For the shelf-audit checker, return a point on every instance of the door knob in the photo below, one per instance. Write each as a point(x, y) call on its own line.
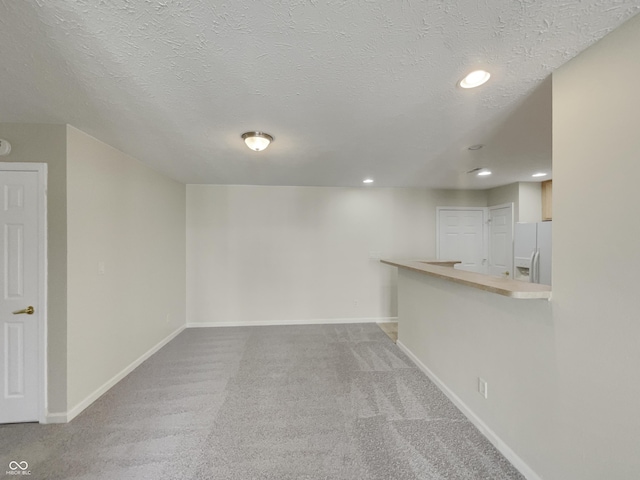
point(29, 311)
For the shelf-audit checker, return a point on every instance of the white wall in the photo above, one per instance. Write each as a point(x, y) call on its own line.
point(596, 205)
point(45, 143)
point(130, 217)
point(272, 254)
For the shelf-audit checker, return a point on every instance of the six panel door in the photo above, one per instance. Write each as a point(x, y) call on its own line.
point(19, 289)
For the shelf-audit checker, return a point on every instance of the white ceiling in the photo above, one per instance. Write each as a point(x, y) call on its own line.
point(348, 88)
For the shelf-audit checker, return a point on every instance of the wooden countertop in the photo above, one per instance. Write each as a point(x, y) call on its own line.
point(500, 285)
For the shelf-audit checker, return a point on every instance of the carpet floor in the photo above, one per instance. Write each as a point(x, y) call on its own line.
point(292, 402)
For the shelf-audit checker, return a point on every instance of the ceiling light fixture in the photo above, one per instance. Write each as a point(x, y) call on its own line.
point(484, 173)
point(475, 147)
point(367, 180)
point(539, 174)
point(475, 79)
point(257, 141)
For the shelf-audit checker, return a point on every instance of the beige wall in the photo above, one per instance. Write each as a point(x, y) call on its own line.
point(126, 215)
point(273, 254)
point(596, 258)
point(44, 143)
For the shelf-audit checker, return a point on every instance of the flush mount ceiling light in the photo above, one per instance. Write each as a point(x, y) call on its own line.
point(475, 147)
point(475, 79)
point(257, 141)
point(5, 147)
point(367, 180)
point(480, 171)
point(539, 174)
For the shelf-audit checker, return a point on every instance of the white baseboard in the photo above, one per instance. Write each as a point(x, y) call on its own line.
point(56, 417)
point(75, 411)
point(497, 442)
point(314, 321)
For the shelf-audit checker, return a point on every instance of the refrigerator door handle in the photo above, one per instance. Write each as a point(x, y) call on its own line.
point(532, 266)
point(536, 268)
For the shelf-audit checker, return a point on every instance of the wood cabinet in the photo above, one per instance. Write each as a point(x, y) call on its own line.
point(547, 200)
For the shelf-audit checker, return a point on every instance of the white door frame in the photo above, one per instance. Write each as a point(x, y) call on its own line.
point(496, 207)
point(485, 230)
point(41, 169)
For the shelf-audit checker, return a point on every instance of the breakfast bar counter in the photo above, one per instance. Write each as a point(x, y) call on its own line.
point(481, 339)
point(498, 285)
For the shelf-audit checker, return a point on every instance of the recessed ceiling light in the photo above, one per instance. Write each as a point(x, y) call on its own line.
point(367, 180)
point(484, 173)
point(475, 79)
point(539, 174)
point(257, 141)
point(476, 147)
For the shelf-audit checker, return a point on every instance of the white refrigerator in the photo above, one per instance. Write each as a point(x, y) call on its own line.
point(532, 252)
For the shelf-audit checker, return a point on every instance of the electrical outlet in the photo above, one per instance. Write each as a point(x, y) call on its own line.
point(355, 303)
point(168, 318)
point(483, 387)
point(101, 268)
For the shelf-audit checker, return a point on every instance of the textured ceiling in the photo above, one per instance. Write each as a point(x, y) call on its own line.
point(348, 88)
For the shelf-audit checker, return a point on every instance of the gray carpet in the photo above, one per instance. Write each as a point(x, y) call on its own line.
point(294, 402)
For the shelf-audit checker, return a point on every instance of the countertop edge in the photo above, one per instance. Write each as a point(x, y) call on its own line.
point(500, 286)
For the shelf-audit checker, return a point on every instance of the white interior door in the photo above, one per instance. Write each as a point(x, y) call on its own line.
point(19, 286)
point(501, 240)
point(461, 237)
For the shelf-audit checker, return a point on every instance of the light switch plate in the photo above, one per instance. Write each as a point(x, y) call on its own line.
point(483, 387)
